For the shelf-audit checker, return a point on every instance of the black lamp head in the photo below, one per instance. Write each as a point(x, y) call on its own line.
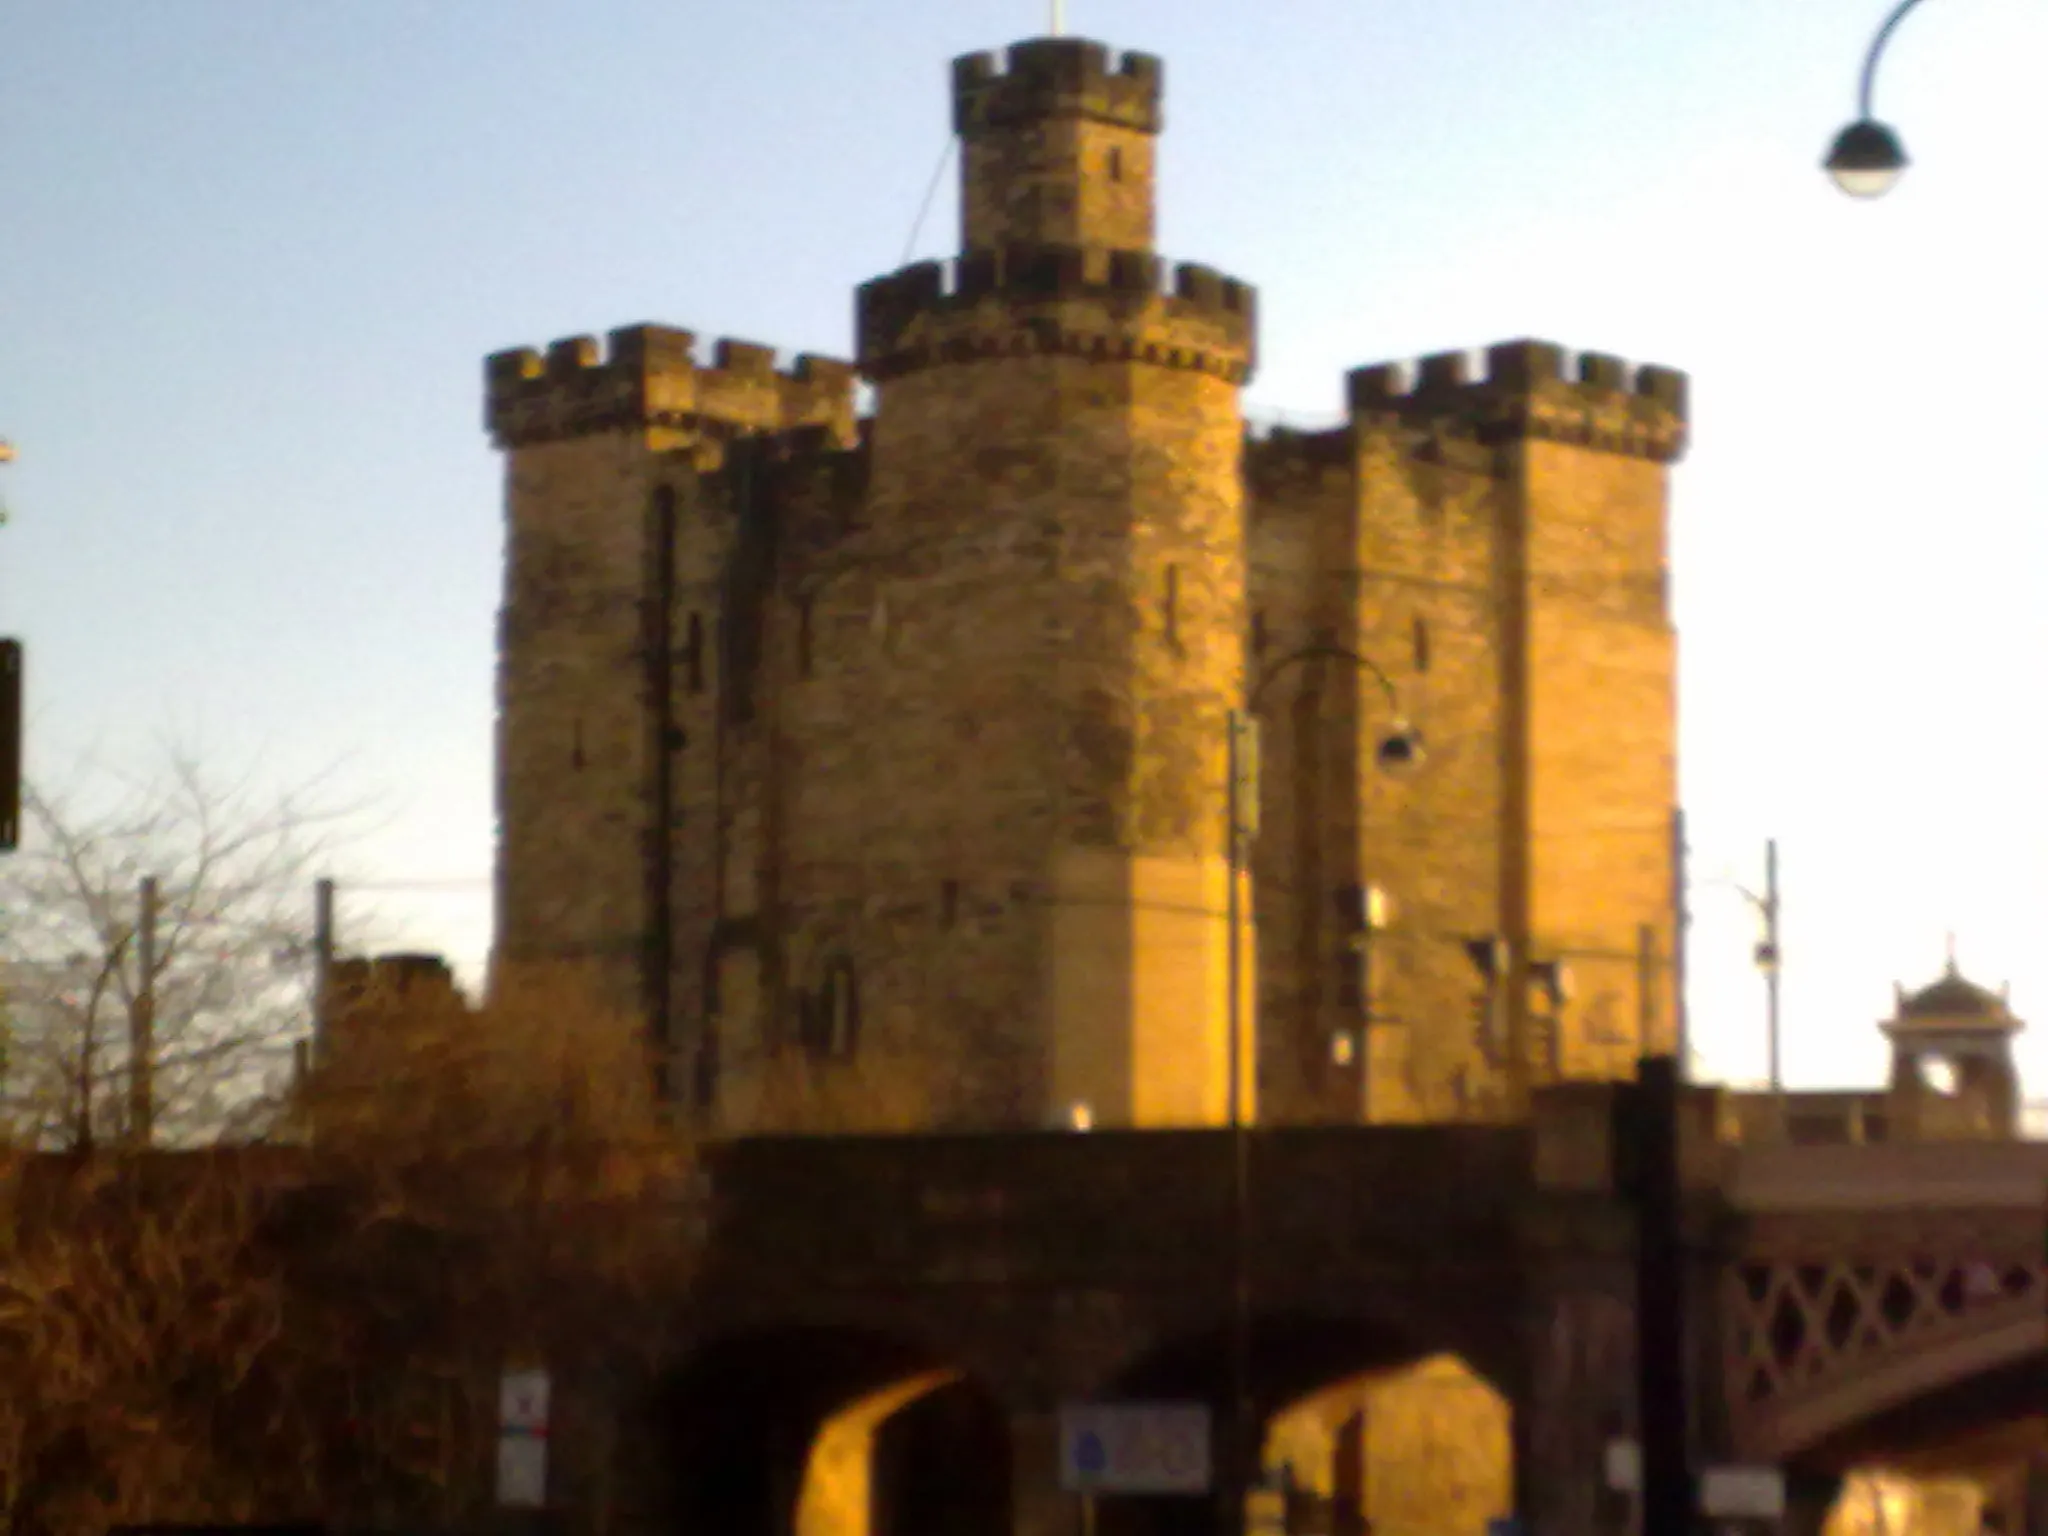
point(1866, 159)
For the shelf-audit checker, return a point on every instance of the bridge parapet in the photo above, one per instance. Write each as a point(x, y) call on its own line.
point(1581, 1141)
point(1913, 1176)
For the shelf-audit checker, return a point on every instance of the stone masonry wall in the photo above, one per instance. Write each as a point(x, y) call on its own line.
point(571, 752)
point(1359, 543)
point(1428, 604)
point(1048, 579)
point(1382, 542)
point(607, 775)
point(1603, 770)
point(1495, 545)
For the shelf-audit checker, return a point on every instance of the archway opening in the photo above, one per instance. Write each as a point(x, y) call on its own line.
point(1879, 1501)
point(826, 1432)
point(1358, 1426)
point(1411, 1451)
point(942, 1465)
point(837, 1496)
point(1966, 1456)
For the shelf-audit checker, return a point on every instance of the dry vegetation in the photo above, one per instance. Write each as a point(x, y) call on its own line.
point(316, 1327)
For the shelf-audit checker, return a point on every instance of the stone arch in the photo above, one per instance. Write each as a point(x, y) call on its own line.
point(1313, 1376)
point(1292, 1350)
point(829, 1430)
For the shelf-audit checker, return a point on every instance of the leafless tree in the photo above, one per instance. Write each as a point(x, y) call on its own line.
point(228, 979)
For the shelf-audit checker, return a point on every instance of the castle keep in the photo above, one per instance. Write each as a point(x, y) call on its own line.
point(896, 743)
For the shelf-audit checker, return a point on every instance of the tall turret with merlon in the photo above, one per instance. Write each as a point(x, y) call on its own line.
point(1489, 529)
point(1586, 703)
point(1057, 421)
point(1057, 146)
point(614, 578)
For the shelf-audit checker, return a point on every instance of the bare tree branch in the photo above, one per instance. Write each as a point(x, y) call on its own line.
point(234, 872)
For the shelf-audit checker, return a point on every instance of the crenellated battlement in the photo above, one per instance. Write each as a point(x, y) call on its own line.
point(1056, 77)
point(1534, 389)
point(649, 376)
point(1280, 458)
point(1123, 305)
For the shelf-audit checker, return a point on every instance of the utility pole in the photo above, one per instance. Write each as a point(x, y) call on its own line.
point(1400, 750)
point(10, 745)
point(142, 1021)
point(1243, 811)
point(1662, 1393)
point(323, 964)
point(1767, 962)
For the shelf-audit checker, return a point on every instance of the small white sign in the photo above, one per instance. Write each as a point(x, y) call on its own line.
point(1624, 1466)
point(1743, 1493)
point(523, 1401)
point(522, 1471)
point(1156, 1448)
point(1727, 1493)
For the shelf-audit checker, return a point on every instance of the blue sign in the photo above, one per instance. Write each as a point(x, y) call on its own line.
point(1090, 1454)
point(1135, 1448)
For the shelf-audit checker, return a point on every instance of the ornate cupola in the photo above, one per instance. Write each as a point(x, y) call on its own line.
point(1953, 1075)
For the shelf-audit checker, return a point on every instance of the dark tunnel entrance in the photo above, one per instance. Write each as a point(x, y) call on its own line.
point(817, 1432)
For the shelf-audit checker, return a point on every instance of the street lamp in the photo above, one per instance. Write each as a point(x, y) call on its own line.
point(1767, 954)
point(1866, 158)
point(1399, 750)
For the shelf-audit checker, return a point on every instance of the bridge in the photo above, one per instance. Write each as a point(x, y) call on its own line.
point(875, 1305)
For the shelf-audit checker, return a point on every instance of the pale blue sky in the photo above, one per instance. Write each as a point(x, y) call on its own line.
point(251, 256)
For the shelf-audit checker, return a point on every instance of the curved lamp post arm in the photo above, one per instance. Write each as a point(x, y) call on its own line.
point(1317, 652)
point(1722, 882)
point(1877, 44)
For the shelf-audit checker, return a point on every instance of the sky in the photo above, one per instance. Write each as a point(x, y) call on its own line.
point(252, 256)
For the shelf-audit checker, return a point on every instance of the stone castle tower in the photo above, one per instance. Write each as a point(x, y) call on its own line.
point(895, 745)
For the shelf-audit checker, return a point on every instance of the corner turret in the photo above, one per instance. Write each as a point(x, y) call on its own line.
point(649, 380)
point(1953, 1075)
point(1057, 146)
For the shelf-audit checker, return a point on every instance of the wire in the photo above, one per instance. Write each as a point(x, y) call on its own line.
point(930, 194)
point(469, 884)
